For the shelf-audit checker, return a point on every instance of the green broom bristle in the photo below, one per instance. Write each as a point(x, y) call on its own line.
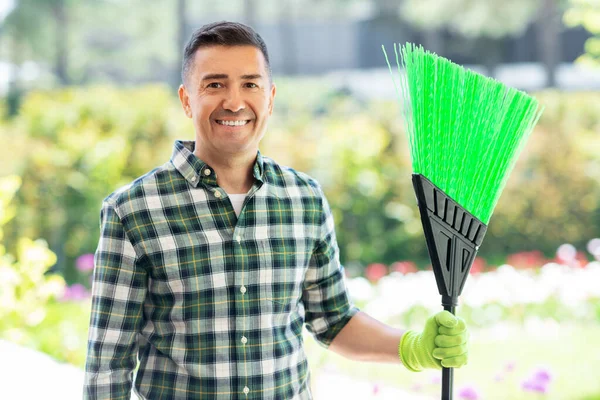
point(465, 130)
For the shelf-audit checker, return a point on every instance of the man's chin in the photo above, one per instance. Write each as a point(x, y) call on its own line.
point(233, 147)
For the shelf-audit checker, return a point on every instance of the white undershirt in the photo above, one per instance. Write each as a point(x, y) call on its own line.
point(236, 201)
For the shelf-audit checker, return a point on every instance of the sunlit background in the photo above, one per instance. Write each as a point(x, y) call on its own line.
point(88, 103)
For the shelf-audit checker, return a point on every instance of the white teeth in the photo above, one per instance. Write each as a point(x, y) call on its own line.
point(232, 123)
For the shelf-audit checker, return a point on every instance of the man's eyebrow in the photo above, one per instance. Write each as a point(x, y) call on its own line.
point(215, 76)
point(225, 76)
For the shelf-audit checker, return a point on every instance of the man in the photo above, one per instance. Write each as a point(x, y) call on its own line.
point(209, 266)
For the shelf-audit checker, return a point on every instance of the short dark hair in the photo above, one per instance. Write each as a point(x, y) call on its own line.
point(221, 33)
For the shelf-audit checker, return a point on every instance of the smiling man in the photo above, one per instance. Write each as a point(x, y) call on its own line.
point(209, 266)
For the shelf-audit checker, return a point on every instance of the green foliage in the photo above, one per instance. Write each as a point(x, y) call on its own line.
point(553, 195)
point(30, 314)
point(472, 19)
point(143, 49)
point(358, 152)
point(465, 130)
point(586, 13)
point(77, 146)
point(29, 26)
point(591, 397)
point(99, 47)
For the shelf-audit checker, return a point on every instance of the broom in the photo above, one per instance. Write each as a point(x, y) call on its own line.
point(465, 132)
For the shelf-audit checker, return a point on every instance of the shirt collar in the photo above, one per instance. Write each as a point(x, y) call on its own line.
point(195, 170)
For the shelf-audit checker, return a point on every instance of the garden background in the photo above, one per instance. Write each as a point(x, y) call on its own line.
point(84, 114)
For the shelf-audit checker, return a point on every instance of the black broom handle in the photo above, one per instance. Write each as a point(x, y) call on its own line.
point(447, 373)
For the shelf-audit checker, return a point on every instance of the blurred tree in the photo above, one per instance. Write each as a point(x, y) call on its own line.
point(78, 145)
point(94, 41)
point(548, 27)
point(37, 27)
point(552, 197)
point(21, 33)
point(587, 14)
point(31, 313)
point(81, 145)
point(386, 7)
point(126, 42)
point(288, 37)
point(250, 11)
point(182, 38)
point(60, 12)
point(361, 175)
point(487, 22)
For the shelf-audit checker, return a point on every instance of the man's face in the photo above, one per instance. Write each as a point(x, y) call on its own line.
point(229, 98)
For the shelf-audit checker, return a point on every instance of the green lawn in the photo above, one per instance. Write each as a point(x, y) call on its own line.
point(570, 352)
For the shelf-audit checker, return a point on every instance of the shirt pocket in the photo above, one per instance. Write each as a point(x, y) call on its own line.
point(281, 274)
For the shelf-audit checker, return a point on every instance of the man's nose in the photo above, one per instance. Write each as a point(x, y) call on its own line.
point(233, 100)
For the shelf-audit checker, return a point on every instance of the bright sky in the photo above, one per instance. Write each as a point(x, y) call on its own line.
point(6, 7)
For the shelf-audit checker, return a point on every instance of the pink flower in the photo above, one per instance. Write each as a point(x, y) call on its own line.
point(404, 267)
point(417, 387)
point(593, 247)
point(478, 266)
point(542, 375)
point(85, 263)
point(468, 393)
point(510, 366)
point(375, 389)
point(534, 386)
point(581, 260)
point(375, 272)
point(75, 292)
point(566, 253)
point(538, 381)
point(526, 259)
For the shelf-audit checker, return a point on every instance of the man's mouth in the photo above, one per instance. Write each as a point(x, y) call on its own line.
point(238, 122)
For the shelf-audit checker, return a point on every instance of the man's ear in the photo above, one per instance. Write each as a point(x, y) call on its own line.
point(272, 98)
point(185, 101)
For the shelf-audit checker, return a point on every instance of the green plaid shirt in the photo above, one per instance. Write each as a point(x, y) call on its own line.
point(212, 305)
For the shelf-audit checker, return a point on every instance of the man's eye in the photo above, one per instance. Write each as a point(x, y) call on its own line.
point(214, 85)
point(251, 85)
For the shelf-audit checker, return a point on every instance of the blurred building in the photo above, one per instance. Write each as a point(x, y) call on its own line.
point(304, 46)
point(134, 42)
point(540, 57)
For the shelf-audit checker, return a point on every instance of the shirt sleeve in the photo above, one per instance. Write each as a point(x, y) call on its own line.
point(325, 297)
point(118, 291)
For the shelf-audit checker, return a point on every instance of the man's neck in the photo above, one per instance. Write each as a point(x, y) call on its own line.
point(234, 173)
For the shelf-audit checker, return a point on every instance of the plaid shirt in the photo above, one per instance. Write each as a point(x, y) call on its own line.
point(212, 305)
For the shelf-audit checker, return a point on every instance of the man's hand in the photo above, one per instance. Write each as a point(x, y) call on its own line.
point(443, 343)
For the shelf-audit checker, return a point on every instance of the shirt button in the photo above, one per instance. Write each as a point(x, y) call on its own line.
point(217, 194)
point(207, 172)
point(238, 238)
point(246, 390)
point(243, 289)
point(244, 340)
point(193, 179)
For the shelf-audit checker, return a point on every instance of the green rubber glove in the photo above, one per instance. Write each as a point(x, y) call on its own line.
point(443, 343)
